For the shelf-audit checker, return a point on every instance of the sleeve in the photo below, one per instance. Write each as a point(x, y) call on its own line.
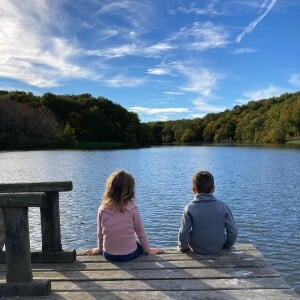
point(99, 231)
point(231, 229)
point(184, 231)
point(140, 230)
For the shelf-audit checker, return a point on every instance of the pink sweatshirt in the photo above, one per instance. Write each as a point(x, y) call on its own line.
point(118, 231)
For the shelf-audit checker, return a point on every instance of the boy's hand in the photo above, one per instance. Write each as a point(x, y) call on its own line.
point(154, 251)
point(182, 249)
point(93, 251)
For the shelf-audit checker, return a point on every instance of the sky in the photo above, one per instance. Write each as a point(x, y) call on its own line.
point(163, 59)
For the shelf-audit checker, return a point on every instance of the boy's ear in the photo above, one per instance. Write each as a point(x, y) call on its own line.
point(212, 189)
point(194, 190)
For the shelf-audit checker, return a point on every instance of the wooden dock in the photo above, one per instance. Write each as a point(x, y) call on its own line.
point(239, 273)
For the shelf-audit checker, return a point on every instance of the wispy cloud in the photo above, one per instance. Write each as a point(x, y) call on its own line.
point(158, 71)
point(209, 9)
point(196, 79)
point(133, 14)
point(124, 81)
point(131, 50)
point(201, 36)
point(119, 7)
point(154, 111)
point(266, 7)
point(295, 79)
point(26, 55)
point(244, 50)
point(204, 107)
point(265, 93)
point(174, 93)
point(200, 80)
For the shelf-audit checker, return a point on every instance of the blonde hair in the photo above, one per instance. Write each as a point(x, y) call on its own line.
point(119, 190)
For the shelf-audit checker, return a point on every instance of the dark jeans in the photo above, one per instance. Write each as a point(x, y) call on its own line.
point(139, 251)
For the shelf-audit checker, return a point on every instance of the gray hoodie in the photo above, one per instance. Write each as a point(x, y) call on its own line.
point(207, 225)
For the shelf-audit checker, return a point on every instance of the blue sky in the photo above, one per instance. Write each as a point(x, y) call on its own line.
point(164, 59)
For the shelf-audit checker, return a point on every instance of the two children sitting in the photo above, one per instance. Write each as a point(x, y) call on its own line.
point(207, 224)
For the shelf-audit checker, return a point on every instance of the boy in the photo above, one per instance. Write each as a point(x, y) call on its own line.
point(207, 224)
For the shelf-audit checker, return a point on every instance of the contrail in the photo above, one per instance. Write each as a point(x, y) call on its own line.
point(253, 24)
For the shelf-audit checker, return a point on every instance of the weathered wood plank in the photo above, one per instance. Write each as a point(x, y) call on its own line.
point(238, 255)
point(161, 264)
point(171, 285)
point(22, 199)
point(255, 294)
point(159, 274)
point(58, 186)
point(235, 274)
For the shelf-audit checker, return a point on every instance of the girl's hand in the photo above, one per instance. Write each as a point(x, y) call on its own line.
point(93, 251)
point(154, 251)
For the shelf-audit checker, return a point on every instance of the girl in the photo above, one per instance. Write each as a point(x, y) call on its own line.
point(120, 222)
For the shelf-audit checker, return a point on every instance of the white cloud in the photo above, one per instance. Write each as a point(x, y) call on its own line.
point(208, 108)
point(198, 115)
point(195, 78)
point(26, 55)
point(209, 9)
point(124, 81)
point(253, 24)
point(244, 50)
point(199, 80)
point(130, 50)
point(174, 93)
point(265, 93)
point(124, 50)
point(159, 47)
point(201, 36)
point(116, 7)
point(154, 111)
point(295, 79)
point(158, 71)
point(134, 14)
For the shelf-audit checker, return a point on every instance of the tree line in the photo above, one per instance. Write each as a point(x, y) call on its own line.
point(66, 121)
point(275, 120)
point(50, 121)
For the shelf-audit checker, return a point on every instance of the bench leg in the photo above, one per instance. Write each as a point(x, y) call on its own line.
point(18, 259)
point(17, 245)
point(50, 222)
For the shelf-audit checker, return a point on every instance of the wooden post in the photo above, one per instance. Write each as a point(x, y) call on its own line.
point(19, 280)
point(17, 245)
point(50, 223)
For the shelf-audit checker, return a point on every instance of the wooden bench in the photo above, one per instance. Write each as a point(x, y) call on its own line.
point(50, 219)
point(19, 279)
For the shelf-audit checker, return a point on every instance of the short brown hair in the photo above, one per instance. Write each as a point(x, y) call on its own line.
point(203, 182)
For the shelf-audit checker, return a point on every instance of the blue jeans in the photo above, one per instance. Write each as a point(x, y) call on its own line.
point(139, 251)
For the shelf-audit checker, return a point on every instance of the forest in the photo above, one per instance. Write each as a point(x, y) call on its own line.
point(67, 121)
point(275, 120)
point(81, 121)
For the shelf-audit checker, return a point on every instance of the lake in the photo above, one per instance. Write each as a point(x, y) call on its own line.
point(261, 185)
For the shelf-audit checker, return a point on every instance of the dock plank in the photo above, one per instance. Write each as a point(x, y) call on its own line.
point(240, 273)
point(258, 294)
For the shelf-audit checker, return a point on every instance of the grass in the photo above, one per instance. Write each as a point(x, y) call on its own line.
point(294, 141)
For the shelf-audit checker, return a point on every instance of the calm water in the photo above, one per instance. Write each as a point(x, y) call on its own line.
point(261, 186)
